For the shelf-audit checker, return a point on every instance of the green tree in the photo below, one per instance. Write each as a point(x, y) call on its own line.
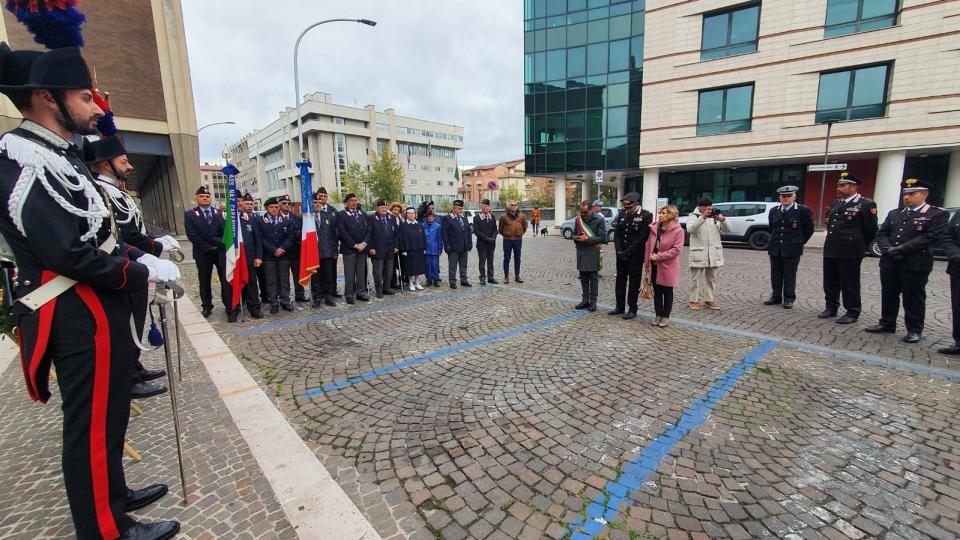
point(386, 176)
point(511, 193)
point(357, 181)
point(541, 193)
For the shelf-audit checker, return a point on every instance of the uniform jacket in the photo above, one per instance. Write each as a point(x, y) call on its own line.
point(789, 231)
point(512, 227)
point(456, 234)
point(485, 230)
point(434, 237)
point(630, 233)
point(851, 227)
point(412, 237)
point(384, 235)
point(327, 240)
point(251, 236)
point(205, 237)
point(277, 233)
point(352, 229)
point(127, 215)
point(50, 245)
point(589, 250)
point(668, 253)
point(706, 251)
point(294, 252)
point(915, 232)
point(951, 245)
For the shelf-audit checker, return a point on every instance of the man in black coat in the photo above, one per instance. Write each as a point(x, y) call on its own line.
point(323, 283)
point(276, 239)
point(83, 326)
point(384, 237)
point(851, 227)
point(485, 229)
point(791, 225)
point(353, 231)
point(631, 229)
point(204, 227)
point(286, 212)
point(254, 254)
point(951, 246)
point(457, 242)
point(905, 240)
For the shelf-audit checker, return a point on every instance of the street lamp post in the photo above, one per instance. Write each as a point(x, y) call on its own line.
point(823, 174)
point(215, 124)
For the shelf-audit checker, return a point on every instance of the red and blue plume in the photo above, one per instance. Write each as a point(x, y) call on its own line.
point(53, 23)
point(105, 124)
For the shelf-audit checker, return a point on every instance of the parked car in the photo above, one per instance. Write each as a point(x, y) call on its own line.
point(748, 222)
point(567, 227)
point(874, 250)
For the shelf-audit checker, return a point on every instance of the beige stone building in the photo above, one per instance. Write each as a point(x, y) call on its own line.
point(148, 79)
point(336, 135)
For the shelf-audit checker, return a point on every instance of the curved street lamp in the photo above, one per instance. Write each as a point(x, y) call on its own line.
point(215, 124)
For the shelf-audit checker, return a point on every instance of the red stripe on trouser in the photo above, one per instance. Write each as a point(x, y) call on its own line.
point(98, 414)
point(40, 345)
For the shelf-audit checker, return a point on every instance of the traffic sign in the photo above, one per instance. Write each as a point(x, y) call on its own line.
point(827, 167)
point(599, 177)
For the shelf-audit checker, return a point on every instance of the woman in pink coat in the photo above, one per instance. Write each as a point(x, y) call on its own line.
point(662, 261)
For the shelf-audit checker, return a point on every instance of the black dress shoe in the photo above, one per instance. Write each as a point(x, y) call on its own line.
point(953, 349)
point(161, 530)
point(879, 329)
point(337, 295)
point(363, 298)
point(206, 312)
point(848, 318)
point(301, 299)
point(771, 301)
point(379, 295)
point(582, 305)
point(256, 314)
point(466, 284)
point(233, 316)
point(826, 314)
point(143, 390)
point(151, 374)
point(483, 281)
point(286, 307)
point(330, 302)
point(788, 305)
point(592, 308)
point(316, 305)
point(492, 281)
point(138, 498)
point(350, 300)
point(912, 337)
point(389, 292)
point(629, 315)
point(453, 285)
point(618, 311)
point(274, 309)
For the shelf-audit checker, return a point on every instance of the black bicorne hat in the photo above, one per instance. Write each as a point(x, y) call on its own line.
point(104, 149)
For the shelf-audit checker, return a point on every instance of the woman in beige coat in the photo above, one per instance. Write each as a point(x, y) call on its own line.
point(706, 253)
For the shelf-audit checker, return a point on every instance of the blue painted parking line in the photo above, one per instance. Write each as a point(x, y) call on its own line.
point(349, 312)
point(604, 507)
point(343, 383)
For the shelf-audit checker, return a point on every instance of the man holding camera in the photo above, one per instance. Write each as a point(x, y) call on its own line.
point(705, 226)
point(631, 229)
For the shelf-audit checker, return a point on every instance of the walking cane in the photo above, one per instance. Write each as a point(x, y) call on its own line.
point(161, 300)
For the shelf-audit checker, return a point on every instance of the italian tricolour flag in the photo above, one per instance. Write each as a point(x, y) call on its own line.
point(237, 272)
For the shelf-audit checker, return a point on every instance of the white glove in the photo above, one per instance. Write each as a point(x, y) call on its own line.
point(168, 242)
point(159, 270)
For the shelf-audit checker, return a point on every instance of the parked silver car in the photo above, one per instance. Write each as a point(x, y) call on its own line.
point(567, 227)
point(748, 222)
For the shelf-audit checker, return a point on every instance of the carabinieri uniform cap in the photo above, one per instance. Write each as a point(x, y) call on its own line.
point(788, 190)
point(911, 185)
point(847, 178)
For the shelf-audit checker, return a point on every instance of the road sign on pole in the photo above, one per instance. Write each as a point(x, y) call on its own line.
point(827, 167)
point(599, 177)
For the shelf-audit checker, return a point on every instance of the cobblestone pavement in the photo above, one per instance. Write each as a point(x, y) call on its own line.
point(499, 412)
point(229, 496)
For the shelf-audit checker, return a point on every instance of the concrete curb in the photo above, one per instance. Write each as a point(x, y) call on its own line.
point(8, 352)
point(311, 499)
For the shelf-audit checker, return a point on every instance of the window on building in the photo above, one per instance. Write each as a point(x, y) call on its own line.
point(730, 32)
point(413, 181)
point(725, 110)
point(411, 166)
point(274, 155)
point(339, 121)
point(383, 127)
point(425, 167)
point(853, 94)
point(852, 16)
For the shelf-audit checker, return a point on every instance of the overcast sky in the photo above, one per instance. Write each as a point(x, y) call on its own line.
point(452, 61)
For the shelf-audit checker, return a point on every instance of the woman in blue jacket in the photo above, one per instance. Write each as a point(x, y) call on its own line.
point(431, 230)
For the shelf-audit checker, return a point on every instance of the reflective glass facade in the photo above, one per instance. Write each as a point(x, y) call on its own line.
point(583, 70)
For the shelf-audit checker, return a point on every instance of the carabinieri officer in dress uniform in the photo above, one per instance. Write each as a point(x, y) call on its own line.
point(75, 283)
point(905, 239)
point(791, 225)
point(851, 227)
point(204, 227)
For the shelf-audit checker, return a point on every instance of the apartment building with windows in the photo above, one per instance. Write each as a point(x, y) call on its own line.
point(336, 135)
point(738, 98)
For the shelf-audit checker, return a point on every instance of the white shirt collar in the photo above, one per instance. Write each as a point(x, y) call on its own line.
point(788, 208)
point(917, 209)
point(109, 180)
point(45, 134)
point(853, 198)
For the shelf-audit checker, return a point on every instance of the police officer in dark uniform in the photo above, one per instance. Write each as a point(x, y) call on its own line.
point(631, 229)
point(252, 250)
point(286, 212)
point(851, 226)
point(276, 239)
point(951, 246)
point(791, 225)
point(82, 326)
point(323, 283)
point(905, 239)
point(204, 226)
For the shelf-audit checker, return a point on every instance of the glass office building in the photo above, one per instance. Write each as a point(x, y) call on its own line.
point(583, 71)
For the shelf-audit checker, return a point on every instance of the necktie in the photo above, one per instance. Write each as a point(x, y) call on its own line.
point(356, 216)
point(206, 213)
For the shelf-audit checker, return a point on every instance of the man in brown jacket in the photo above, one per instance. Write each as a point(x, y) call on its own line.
point(512, 227)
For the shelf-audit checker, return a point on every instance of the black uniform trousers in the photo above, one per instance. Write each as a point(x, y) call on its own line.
point(589, 287)
point(912, 285)
point(842, 276)
point(783, 277)
point(205, 265)
point(354, 275)
point(955, 305)
point(485, 254)
point(262, 284)
point(629, 274)
point(298, 289)
point(95, 394)
point(277, 271)
point(382, 273)
point(455, 260)
point(141, 303)
point(323, 283)
point(251, 292)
